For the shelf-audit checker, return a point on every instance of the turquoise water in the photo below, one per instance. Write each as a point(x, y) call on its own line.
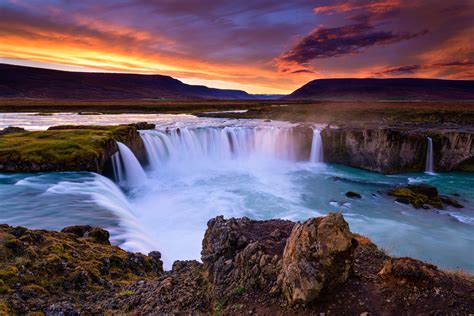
point(171, 214)
point(196, 176)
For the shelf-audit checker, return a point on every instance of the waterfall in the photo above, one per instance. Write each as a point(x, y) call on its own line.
point(118, 169)
point(316, 147)
point(192, 145)
point(429, 157)
point(126, 167)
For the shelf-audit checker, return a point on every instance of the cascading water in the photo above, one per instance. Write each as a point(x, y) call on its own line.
point(127, 168)
point(217, 144)
point(429, 157)
point(117, 166)
point(316, 147)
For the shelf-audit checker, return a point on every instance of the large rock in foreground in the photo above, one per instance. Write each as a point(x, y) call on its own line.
point(319, 255)
point(249, 267)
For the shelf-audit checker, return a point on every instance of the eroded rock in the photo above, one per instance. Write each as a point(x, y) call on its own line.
point(241, 254)
point(318, 256)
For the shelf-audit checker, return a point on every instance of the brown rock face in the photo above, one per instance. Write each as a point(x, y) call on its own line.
point(318, 256)
point(242, 254)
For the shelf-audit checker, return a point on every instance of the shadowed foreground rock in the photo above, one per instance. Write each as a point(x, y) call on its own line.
point(271, 267)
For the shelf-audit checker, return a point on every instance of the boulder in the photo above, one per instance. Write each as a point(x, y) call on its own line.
point(319, 255)
point(419, 196)
point(425, 189)
point(99, 235)
point(407, 269)
point(242, 254)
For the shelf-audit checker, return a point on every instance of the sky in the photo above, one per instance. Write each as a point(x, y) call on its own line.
point(261, 46)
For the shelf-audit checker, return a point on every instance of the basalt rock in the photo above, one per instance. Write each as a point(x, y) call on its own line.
point(98, 234)
point(381, 150)
point(407, 269)
point(423, 196)
point(243, 254)
point(398, 149)
point(353, 195)
point(249, 267)
point(318, 257)
point(66, 271)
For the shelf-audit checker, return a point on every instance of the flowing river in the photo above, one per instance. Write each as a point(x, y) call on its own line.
point(200, 168)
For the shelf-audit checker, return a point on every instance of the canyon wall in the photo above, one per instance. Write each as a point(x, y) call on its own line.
point(393, 150)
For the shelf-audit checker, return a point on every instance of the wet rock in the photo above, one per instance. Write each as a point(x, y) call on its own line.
point(417, 196)
point(423, 196)
point(353, 195)
point(451, 201)
point(318, 256)
point(424, 189)
point(402, 200)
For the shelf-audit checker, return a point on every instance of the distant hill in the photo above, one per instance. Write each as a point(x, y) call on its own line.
point(385, 89)
point(38, 83)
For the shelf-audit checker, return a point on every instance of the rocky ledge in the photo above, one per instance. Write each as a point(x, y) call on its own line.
point(398, 149)
point(262, 267)
point(67, 147)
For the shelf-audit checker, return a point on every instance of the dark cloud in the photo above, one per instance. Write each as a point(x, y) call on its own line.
point(301, 71)
point(412, 69)
point(334, 42)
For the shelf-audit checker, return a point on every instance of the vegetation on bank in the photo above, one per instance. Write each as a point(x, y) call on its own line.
point(62, 148)
point(38, 264)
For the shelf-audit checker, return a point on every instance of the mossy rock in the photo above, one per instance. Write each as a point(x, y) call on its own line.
point(64, 263)
point(64, 148)
point(422, 195)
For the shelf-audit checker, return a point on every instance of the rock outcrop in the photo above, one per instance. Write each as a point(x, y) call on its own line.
point(243, 254)
point(249, 267)
point(52, 271)
point(68, 147)
point(318, 257)
point(395, 150)
point(423, 196)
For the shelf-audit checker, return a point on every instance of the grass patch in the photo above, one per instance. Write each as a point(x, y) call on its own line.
point(65, 148)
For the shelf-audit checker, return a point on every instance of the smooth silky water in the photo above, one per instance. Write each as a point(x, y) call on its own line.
point(200, 168)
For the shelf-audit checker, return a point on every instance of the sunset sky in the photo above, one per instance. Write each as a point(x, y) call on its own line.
point(261, 46)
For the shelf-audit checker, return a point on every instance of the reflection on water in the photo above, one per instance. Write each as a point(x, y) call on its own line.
point(170, 209)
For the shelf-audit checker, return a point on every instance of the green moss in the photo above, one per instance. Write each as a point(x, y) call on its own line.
point(62, 147)
point(239, 291)
point(417, 200)
point(58, 146)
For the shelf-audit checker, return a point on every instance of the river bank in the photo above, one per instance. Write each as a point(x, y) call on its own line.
point(247, 267)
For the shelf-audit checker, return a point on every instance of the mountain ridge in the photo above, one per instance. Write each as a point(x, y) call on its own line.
point(39, 83)
point(372, 89)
